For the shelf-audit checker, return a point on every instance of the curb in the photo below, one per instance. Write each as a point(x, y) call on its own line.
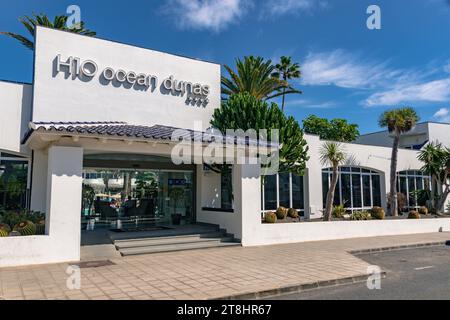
point(407, 246)
point(296, 288)
point(327, 283)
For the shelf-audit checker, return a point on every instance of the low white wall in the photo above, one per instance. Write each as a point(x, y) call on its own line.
point(266, 234)
point(62, 240)
point(17, 251)
point(226, 220)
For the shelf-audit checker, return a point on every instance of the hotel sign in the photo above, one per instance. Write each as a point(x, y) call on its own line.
point(86, 70)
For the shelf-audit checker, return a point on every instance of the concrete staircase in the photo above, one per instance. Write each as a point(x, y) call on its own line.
point(158, 244)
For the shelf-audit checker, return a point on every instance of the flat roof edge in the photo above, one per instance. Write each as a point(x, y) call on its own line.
point(131, 45)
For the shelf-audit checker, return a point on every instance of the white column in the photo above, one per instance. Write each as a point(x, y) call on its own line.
point(64, 186)
point(39, 181)
point(247, 199)
point(313, 179)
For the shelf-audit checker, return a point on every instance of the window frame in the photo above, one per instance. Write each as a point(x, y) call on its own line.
point(25, 160)
point(291, 194)
point(353, 170)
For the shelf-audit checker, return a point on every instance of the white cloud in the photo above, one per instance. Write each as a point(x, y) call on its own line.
point(308, 104)
point(447, 67)
point(430, 91)
point(389, 86)
point(346, 70)
point(277, 8)
point(442, 115)
point(283, 7)
point(213, 15)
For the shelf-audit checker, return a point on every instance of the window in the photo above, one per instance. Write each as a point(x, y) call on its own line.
point(283, 189)
point(411, 183)
point(13, 181)
point(357, 188)
point(270, 201)
point(226, 189)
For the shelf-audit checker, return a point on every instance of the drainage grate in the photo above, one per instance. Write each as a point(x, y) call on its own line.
point(95, 264)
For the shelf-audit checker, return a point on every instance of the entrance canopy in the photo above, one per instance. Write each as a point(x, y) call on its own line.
point(40, 133)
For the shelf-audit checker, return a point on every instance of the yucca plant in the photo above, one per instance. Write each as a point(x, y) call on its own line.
point(59, 22)
point(332, 153)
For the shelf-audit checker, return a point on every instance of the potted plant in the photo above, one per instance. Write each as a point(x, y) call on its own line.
point(176, 194)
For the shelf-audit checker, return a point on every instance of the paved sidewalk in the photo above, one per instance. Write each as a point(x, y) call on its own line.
point(204, 274)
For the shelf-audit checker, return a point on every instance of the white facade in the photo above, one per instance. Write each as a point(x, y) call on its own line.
point(421, 134)
point(77, 91)
point(62, 96)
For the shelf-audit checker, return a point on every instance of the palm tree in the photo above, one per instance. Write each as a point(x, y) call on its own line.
point(286, 70)
point(59, 22)
point(254, 75)
point(331, 153)
point(398, 121)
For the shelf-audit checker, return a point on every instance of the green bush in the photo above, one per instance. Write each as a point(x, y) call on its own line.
point(423, 210)
point(281, 213)
point(361, 215)
point(25, 228)
point(4, 230)
point(413, 214)
point(377, 213)
point(293, 213)
point(338, 211)
point(270, 217)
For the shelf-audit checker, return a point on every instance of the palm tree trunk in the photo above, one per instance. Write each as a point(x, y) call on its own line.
point(282, 102)
point(393, 179)
point(330, 195)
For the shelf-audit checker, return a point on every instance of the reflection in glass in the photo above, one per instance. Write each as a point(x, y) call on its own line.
point(284, 189)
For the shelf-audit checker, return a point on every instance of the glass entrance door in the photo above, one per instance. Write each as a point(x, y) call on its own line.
point(137, 197)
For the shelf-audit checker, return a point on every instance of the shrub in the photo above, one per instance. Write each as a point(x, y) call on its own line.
point(292, 213)
point(25, 228)
point(4, 230)
point(281, 213)
point(338, 211)
point(270, 217)
point(423, 210)
point(377, 213)
point(361, 215)
point(413, 214)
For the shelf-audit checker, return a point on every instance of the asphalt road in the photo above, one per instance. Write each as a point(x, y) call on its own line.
point(411, 274)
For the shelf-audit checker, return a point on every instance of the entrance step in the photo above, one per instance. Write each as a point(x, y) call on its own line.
point(150, 245)
point(176, 247)
point(145, 242)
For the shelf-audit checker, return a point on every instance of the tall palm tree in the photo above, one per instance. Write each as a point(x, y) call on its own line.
point(332, 154)
point(286, 70)
point(59, 22)
point(398, 121)
point(254, 75)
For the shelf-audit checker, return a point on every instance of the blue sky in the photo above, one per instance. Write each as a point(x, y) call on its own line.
point(348, 70)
